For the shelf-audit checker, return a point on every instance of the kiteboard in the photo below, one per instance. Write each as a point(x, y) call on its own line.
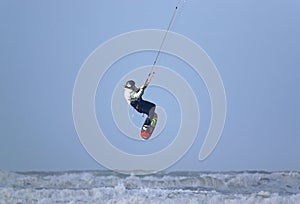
point(146, 133)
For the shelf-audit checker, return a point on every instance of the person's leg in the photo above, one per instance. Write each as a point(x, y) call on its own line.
point(149, 109)
point(151, 112)
point(145, 107)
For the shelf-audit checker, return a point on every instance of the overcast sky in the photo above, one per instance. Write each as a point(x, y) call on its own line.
point(254, 45)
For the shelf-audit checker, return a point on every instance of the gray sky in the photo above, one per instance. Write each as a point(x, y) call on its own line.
point(254, 44)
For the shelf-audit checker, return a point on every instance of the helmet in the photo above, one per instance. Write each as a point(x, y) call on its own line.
point(129, 84)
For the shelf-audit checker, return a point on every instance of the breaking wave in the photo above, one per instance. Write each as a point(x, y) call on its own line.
point(173, 187)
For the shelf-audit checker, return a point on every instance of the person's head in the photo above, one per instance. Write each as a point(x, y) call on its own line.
point(130, 84)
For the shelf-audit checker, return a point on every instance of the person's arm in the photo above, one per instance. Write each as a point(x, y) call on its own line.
point(137, 95)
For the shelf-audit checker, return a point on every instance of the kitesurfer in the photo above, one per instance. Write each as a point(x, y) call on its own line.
point(133, 96)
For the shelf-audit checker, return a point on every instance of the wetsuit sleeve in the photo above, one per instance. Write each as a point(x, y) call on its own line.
point(136, 95)
point(131, 95)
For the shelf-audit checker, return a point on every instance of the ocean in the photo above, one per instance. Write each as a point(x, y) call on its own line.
point(99, 187)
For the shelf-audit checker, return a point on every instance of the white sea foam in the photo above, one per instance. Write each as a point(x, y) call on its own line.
point(175, 187)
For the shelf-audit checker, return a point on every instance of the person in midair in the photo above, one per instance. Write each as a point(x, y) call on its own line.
point(133, 96)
